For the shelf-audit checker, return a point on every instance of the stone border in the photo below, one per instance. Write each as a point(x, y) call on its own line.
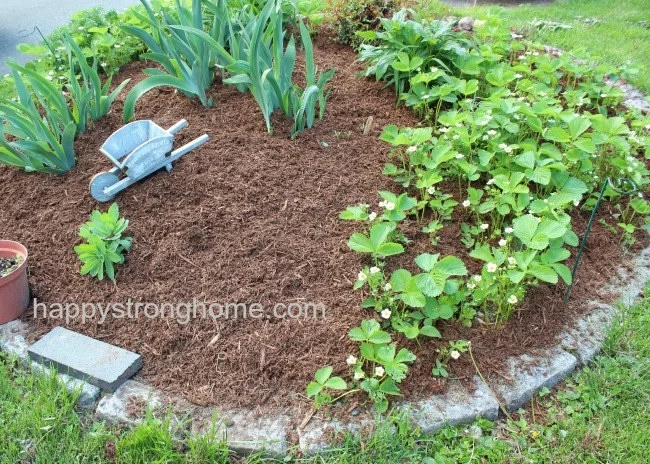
point(246, 431)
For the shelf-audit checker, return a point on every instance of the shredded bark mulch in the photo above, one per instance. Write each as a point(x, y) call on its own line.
point(253, 218)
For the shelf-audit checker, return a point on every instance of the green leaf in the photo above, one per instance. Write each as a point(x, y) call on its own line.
point(427, 261)
point(313, 389)
point(430, 331)
point(451, 266)
point(361, 243)
point(323, 374)
point(557, 134)
point(148, 84)
point(543, 273)
point(336, 383)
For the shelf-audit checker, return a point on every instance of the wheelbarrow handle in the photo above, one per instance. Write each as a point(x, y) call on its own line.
point(188, 147)
point(178, 126)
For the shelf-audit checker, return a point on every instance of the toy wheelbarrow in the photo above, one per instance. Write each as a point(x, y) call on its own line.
point(136, 150)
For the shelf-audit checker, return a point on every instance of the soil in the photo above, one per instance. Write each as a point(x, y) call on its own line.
point(8, 265)
point(253, 218)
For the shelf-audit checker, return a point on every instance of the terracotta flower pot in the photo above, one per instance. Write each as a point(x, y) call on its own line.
point(14, 289)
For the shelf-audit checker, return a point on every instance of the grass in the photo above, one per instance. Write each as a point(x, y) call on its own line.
point(602, 414)
point(619, 37)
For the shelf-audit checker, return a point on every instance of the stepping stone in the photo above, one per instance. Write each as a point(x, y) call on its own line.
point(84, 358)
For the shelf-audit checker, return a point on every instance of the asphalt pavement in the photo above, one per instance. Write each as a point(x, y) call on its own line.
point(18, 18)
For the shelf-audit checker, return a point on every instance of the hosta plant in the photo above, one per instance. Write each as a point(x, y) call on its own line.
point(105, 246)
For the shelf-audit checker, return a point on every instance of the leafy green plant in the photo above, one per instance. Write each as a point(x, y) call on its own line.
point(378, 242)
point(407, 46)
point(359, 16)
point(105, 245)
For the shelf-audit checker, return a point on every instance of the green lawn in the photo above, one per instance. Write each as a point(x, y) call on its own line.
point(602, 414)
point(618, 37)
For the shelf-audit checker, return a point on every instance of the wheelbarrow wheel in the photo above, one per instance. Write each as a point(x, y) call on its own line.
point(100, 182)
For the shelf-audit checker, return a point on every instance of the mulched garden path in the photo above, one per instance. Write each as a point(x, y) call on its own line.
point(253, 218)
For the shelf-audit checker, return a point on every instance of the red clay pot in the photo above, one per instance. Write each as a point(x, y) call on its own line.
point(14, 289)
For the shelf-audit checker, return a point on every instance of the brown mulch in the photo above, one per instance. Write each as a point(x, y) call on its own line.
point(253, 218)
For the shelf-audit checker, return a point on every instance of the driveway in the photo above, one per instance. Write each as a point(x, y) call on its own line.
point(18, 18)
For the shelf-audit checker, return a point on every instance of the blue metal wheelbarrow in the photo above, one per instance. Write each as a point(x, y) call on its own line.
point(136, 150)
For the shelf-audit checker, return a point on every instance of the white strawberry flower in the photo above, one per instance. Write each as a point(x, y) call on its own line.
point(509, 230)
point(389, 205)
point(478, 278)
point(503, 242)
point(492, 132)
point(484, 226)
point(412, 148)
point(431, 190)
point(385, 314)
point(512, 299)
point(467, 203)
point(454, 354)
point(460, 156)
point(372, 216)
point(374, 270)
point(362, 276)
point(351, 361)
point(491, 267)
point(379, 371)
point(388, 287)
point(511, 260)
point(358, 375)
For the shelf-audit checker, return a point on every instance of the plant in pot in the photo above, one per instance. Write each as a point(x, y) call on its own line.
point(14, 289)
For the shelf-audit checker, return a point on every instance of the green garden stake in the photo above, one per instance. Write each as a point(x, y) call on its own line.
point(608, 182)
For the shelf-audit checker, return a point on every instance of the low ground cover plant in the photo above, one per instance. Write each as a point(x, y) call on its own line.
point(516, 140)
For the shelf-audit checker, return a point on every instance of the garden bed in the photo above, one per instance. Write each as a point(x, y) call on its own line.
point(253, 218)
